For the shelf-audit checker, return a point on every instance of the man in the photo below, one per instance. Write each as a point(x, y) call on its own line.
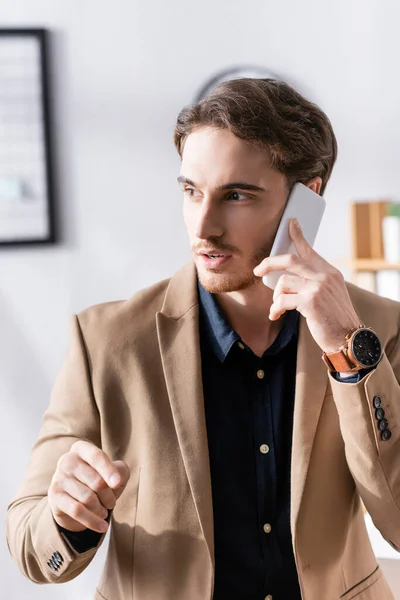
point(199, 419)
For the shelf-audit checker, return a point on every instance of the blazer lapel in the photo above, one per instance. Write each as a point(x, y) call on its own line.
point(311, 384)
point(178, 335)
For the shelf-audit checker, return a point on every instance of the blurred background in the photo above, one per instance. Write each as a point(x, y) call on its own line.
point(118, 74)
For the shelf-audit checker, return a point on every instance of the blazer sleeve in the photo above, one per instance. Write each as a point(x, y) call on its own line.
point(34, 540)
point(373, 457)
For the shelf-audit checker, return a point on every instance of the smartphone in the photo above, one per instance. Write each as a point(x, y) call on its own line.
point(308, 207)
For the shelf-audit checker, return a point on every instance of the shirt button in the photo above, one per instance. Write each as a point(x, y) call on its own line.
point(267, 528)
point(260, 374)
point(241, 345)
point(264, 449)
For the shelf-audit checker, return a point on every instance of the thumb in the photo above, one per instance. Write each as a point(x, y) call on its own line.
point(124, 473)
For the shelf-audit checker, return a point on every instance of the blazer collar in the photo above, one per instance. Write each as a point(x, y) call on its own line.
point(181, 293)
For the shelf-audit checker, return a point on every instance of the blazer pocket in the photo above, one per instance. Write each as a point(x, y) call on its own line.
point(363, 586)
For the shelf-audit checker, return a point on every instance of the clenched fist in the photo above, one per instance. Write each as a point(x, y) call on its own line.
point(85, 485)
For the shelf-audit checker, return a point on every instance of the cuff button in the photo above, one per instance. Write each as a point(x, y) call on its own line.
point(377, 402)
point(52, 565)
point(386, 435)
point(383, 423)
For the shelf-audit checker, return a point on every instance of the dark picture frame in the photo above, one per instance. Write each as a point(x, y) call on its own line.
point(27, 202)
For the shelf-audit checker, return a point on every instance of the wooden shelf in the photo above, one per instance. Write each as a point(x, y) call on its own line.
point(369, 264)
point(368, 268)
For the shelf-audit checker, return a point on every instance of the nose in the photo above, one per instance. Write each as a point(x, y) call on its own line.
point(209, 222)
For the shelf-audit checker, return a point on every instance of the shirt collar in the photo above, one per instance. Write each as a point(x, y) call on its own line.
point(222, 336)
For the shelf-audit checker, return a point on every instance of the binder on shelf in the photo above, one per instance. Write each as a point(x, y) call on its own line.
point(367, 230)
point(377, 211)
point(360, 220)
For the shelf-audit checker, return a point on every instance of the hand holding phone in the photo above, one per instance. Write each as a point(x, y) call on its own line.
point(308, 207)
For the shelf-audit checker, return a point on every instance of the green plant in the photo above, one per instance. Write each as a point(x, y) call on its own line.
point(393, 209)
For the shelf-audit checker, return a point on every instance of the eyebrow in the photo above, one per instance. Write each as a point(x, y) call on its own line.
point(234, 185)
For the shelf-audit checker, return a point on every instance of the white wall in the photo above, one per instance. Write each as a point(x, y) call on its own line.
point(122, 70)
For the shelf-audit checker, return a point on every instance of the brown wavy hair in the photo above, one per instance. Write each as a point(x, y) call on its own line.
point(273, 116)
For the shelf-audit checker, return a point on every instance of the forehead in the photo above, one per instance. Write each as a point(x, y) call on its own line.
point(219, 155)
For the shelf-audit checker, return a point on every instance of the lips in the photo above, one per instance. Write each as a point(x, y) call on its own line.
point(213, 254)
point(214, 260)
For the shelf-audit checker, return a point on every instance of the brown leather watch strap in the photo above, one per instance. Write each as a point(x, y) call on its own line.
point(339, 361)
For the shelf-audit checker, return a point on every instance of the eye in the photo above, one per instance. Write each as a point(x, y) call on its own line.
point(237, 197)
point(191, 192)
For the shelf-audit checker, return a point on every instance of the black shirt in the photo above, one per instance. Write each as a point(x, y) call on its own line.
point(249, 414)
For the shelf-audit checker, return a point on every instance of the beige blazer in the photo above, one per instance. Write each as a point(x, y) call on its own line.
point(131, 383)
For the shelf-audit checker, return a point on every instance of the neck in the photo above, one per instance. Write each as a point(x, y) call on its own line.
point(248, 313)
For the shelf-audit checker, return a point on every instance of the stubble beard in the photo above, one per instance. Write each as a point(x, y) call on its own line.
point(218, 281)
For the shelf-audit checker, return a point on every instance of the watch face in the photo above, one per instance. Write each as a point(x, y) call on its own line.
point(366, 348)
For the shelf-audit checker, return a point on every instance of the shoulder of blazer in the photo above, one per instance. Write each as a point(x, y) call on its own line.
point(111, 325)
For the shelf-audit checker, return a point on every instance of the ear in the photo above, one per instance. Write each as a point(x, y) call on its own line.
point(315, 184)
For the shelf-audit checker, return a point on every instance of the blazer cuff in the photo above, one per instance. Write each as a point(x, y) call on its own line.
point(54, 553)
point(357, 405)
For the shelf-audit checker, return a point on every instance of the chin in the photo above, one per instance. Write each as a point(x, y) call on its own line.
point(218, 282)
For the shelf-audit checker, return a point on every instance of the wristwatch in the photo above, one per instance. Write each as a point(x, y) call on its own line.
point(361, 350)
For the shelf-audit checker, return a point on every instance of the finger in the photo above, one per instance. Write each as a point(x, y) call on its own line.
point(72, 465)
point(303, 248)
point(69, 523)
point(99, 460)
point(282, 304)
point(289, 284)
point(290, 263)
point(66, 505)
point(83, 494)
point(93, 480)
point(125, 475)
